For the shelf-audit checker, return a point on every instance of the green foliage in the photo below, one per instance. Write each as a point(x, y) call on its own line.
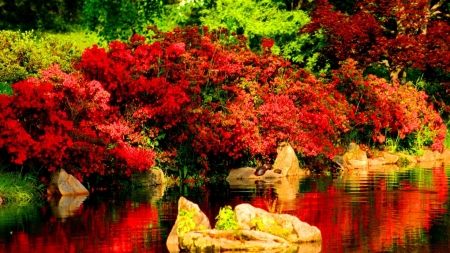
point(269, 19)
point(269, 225)
point(24, 55)
point(418, 140)
point(5, 88)
point(120, 19)
point(184, 13)
point(186, 221)
point(226, 219)
point(18, 188)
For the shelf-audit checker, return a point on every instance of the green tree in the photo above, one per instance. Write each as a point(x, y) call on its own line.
point(267, 18)
point(120, 19)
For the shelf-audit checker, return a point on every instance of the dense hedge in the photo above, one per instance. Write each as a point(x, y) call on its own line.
point(139, 104)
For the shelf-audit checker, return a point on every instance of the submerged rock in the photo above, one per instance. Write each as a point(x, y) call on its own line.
point(65, 184)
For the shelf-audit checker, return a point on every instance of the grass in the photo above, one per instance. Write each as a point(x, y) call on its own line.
point(15, 188)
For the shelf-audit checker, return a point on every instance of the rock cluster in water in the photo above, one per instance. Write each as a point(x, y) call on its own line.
point(258, 230)
point(356, 158)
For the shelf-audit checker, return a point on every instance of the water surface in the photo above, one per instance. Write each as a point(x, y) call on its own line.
point(383, 210)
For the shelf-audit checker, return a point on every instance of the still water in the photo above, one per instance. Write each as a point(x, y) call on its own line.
point(383, 210)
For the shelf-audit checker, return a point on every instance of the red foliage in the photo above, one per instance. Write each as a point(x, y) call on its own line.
point(233, 101)
point(387, 107)
point(204, 87)
point(399, 34)
point(61, 121)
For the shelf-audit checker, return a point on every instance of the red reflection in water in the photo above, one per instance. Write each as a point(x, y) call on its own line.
point(349, 221)
point(128, 229)
point(372, 219)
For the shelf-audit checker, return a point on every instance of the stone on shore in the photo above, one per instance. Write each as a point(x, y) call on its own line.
point(287, 161)
point(65, 184)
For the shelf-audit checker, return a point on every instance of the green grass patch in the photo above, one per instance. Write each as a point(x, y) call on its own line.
point(19, 189)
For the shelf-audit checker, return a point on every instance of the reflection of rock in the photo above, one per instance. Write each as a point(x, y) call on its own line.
point(285, 187)
point(199, 218)
point(65, 184)
point(258, 231)
point(287, 161)
point(66, 206)
point(285, 225)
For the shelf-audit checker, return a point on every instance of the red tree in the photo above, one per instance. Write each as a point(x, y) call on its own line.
point(395, 34)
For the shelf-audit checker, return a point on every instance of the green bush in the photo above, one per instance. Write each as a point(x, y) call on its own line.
point(226, 219)
point(24, 54)
point(269, 19)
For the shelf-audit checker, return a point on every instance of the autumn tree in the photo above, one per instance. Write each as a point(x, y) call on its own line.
point(396, 35)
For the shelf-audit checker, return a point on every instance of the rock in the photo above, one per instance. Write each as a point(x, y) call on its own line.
point(287, 161)
point(428, 156)
point(388, 157)
point(406, 159)
point(248, 173)
point(376, 162)
point(355, 158)
point(284, 225)
point(445, 155)
point(65, 206)
point(241, 240)
point(65, 184)
point(200, 219)
point(150, 178)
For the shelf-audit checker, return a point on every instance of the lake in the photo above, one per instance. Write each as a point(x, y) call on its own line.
point(388, 209)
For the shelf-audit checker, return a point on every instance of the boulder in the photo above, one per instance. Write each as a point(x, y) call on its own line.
point(355, 158)
point(283, 225)
point(65, 184)
point(241, 241)
point(247, 175)
point(445, 155)
point(376, 162)
point(199, 218)
point(405, 158)
point(287, 161)
point(388, 157)
point(427, 157)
